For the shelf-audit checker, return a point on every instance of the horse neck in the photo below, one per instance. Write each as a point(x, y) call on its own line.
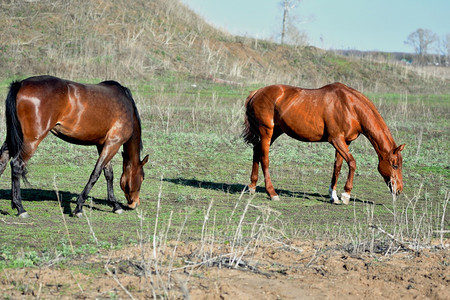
point(377, 132)
point(132, 148)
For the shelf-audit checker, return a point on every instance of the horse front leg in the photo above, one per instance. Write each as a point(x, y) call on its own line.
point(342, 147)
point(78, 211)
point(106, 155)
point(334, 199)
point(345, 197)
point(108, 171)
point(109, 176)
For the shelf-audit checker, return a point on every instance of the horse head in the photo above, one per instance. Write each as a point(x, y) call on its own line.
point(390, 167)
point(131, 180)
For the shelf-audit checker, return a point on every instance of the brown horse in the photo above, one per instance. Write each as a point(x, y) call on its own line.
point(334, 113)
point(104, 115)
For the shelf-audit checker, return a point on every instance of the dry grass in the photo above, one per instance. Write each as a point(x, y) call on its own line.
point(240, 246)
point(116, 40)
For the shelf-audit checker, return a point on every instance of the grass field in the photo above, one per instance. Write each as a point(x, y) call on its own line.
point(199, 165)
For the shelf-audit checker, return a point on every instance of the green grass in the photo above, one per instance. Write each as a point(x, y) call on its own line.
point(197, 156)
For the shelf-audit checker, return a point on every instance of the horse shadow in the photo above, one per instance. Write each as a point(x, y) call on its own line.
point(240, 188)
point(65, 198)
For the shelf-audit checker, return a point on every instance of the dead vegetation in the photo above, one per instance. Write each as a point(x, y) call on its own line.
point(302, 269)
point(116, 40)
point(248, 259)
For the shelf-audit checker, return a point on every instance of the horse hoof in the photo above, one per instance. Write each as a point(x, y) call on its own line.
point(275, 198)
point(345, 197)
point(335, 201)
point(23, 215)
point(79, 214)
point(251, 190)
point(118, 211)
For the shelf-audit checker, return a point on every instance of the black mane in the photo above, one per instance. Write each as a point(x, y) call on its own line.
point(127, 92)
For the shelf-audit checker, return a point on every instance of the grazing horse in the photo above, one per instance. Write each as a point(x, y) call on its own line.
point(104, 115)
point(336, 114)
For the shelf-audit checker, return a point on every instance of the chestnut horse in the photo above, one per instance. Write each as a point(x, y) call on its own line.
point(104, 115)
point(336, 114)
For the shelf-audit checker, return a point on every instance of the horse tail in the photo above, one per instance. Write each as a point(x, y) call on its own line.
point(14, 134)
point(250, 133)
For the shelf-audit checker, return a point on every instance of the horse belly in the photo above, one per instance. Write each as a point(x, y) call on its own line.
point(303, 127)
point(79, 136)
point(304, 135)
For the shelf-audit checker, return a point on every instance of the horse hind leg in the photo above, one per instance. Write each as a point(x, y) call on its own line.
point(4, 157)
point(255, 168)
point(261, 155)
point(17, 172)
point(266, 141)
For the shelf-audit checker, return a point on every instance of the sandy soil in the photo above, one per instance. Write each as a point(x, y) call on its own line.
point(301, 270)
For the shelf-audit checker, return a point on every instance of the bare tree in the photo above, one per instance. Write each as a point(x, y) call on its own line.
point(445, 49)
point(421, 40)
point(288, 5)
point(295, 37)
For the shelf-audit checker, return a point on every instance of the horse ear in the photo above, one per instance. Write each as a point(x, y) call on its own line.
point(145, 160)
point(399, 148)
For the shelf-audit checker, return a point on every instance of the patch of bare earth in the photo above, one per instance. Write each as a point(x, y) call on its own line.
point(300, 270)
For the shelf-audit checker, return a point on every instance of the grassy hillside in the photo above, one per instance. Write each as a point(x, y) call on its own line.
point(116, 39)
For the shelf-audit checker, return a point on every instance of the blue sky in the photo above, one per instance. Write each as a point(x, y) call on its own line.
point(381, 25)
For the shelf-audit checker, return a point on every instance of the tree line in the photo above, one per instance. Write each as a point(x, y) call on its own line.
point(427, 46)
point(425, 42)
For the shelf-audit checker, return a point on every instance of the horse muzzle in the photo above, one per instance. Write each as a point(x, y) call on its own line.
point(395, 188)
point(133, 205)
point(133, 202)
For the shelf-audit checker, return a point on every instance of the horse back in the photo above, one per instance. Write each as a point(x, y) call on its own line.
point(313, 115)
point(78, 113)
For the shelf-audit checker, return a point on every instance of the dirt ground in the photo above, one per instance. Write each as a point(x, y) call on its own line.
point(301, 270)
